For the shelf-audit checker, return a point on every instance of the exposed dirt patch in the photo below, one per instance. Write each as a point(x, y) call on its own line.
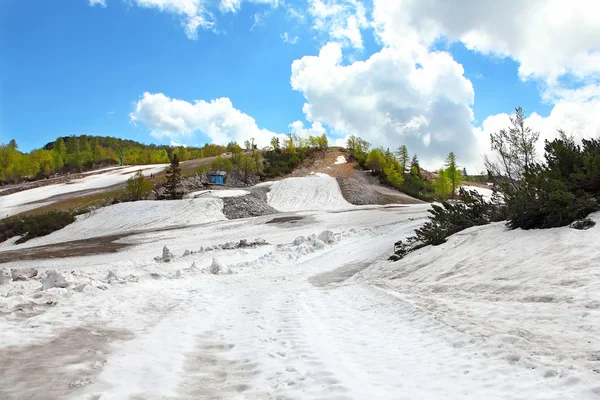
point(282, 220)
point(362, 189)
point(75, 248)
point(57, 369)
point(337, 275)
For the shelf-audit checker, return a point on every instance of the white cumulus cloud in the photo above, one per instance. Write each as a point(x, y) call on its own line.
point(176, 119)
point(341, 20)
point(548, 38)
point(390, 99)
point(93, 3)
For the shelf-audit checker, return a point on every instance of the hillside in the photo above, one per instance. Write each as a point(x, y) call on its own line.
point(84, 153)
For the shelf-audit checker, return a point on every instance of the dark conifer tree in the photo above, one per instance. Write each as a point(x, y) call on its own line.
point(173, 173)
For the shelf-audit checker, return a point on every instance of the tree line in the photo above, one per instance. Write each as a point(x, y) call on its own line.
point(559, 189)
point(81, 153)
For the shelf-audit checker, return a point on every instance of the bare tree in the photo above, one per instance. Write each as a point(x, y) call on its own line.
point(515, 150)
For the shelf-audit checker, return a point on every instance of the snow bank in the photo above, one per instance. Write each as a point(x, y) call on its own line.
point(19, 202)
point(534, 294)
point(137, 216)
point(340, 160)
point(315, 192)
point(486, 193)
point(218, 193)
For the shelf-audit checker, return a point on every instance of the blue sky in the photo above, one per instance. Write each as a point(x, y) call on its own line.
point(72, 68)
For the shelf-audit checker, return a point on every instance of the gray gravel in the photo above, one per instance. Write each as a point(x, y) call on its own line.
point(251, 205)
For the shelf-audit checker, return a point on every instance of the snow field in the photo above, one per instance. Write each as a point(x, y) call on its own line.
point(124, 218)
point(529, 298)
point(314, 192)
point(16, 203)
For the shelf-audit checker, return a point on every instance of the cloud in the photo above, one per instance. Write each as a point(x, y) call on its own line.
point(110, 112)
point(101, 3)
point(178, 119)
point(577, 119)
point(389, 100)
point(548, 38)
point(297, 127)
point(341, 20)
point(195, 14)
point(286, 38)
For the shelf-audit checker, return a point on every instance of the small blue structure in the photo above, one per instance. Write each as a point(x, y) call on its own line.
point(216, 177)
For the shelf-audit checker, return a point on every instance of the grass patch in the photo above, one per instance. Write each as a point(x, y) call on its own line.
point(29, 227)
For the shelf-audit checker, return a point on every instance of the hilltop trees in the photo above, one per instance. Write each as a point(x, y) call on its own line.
point(80, 153)
point(358, 149)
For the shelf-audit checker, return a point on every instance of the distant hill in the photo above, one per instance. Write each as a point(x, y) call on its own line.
point(84, 152)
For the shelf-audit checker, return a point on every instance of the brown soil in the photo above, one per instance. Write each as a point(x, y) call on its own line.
point(75, 248)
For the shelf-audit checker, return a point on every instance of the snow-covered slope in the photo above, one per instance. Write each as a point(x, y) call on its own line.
point(137, 216)
point(533, 294)
point(19, 202)
point(485, 193)
point(314, 192)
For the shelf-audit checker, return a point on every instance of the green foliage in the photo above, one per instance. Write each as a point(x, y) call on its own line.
point(29, 227)
point(137, 188)
point(453, 173)
point(403, 157)
point(418, 187)
point(449, 218)
point(515, 148)
point(566, 188)
point(234, 148)
point(376, 161)
point(318, 142)
point(249, 165)
point(443, 185)
point(415, 168)
point(278, 162)
point(393, 176)
point(275, 143)
point(79, 153)
point(290, 145)
point(221, 164)
point(358, 149)
point(173, 181)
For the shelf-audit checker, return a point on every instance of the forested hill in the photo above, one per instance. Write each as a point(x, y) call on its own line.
point(81, 153)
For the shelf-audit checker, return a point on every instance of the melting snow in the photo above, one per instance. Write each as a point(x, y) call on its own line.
point(340, 160)
point(314, 192)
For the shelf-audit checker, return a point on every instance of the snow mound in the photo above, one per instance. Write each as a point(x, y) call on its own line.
point(137, 216)
point(314, 192)
point(55, 279)
point(340, 160)
point(485, 193)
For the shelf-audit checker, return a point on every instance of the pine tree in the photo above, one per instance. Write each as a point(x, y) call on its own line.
point(403, 157)
point(452, 172)
point(443, 185)
point(415, 168)
point(173, 173)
